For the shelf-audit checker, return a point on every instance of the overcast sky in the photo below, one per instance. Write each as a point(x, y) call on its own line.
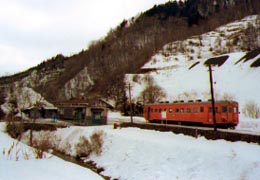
point(34, 30)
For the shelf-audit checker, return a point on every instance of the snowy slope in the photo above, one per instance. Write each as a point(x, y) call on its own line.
point(179, 68)
point(25, 98)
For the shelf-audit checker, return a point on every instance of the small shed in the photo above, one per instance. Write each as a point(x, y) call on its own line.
point(40, 112)
point(33, 112)
point(48, 112)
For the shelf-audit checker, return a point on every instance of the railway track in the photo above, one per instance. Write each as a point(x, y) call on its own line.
point(209, 133)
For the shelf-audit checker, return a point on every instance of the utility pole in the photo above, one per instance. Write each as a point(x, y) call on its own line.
point(130, 100)
point(212, 98)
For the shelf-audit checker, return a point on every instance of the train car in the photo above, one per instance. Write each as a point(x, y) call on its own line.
point(194, 113)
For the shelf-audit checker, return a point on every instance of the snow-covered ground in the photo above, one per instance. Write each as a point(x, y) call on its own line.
point(20, 163)
point(134, 154)
point(142, 154)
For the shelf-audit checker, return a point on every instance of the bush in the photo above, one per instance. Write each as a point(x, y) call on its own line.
point(83, 147)
point(44, 143)
point(41, 143)
point(14, 129)
point(16, 152)
point(97, 142)
point(252, 110)
point(66, 149)
point(46, 140)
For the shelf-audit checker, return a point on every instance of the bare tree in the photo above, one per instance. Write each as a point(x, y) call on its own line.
point(252, 110)
point(152, 93)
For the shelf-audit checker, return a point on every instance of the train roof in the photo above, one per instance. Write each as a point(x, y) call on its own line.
point(193, 102)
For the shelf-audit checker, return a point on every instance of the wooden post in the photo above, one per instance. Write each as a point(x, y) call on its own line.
point(130, 100)
point(212, 98)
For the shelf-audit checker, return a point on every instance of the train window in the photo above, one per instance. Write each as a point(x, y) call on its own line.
point(224, 109)
point(165, 110)
point(201, 109)
point(155, 110)
point(188, 110)
point(216, 109)
point(176, 110)
point(230, 109)
point(182, 110)
point(195, 110)
point(160, 110)
point(170, 110)
point(235, 109)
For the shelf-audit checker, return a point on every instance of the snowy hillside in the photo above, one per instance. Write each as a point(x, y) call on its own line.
point(22, 98)
point(180, 70)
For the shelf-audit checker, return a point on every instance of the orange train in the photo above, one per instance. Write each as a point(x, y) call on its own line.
point(194, 113)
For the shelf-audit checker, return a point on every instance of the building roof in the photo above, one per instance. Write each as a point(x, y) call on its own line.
point(44, 107)
point(73, 103)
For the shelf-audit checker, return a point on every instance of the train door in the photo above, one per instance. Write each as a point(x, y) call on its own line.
point(232, 113)
point(217, 113)
point(209, 113)
point(235, 113)
point(225, 112)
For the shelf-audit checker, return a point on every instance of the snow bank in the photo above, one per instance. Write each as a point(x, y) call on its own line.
point(142, 154)
point(30, 168)
point(116, 117)
point(134, 154)
point(252, 125)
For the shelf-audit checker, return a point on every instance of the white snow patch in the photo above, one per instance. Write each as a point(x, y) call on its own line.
point(51, 167)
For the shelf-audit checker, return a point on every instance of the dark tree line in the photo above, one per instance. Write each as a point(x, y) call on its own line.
point(188, 9)
point(196, 10)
